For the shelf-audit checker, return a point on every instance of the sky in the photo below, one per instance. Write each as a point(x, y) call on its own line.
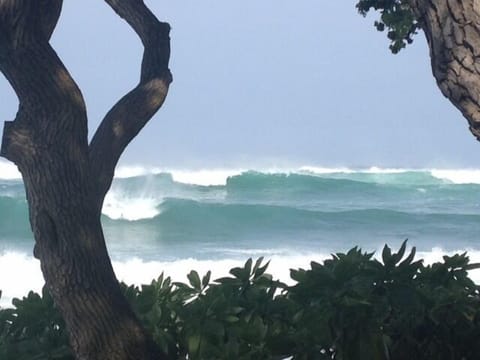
point(265, 83)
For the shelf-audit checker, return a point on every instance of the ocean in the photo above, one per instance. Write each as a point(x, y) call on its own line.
point(176, 220)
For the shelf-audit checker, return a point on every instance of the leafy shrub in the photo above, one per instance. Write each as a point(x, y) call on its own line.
point(349, 307)
point(33, 329)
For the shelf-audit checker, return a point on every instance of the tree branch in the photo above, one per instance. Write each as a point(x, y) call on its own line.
point(23, 21)
point(125, 120)
point(49, 100)
point(50, 11)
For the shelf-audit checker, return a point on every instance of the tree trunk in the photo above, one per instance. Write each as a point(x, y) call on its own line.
point(452, 29)
point(66, 179)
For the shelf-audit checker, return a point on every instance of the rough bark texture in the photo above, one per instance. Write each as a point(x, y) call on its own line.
point(452, 28)
point(66, 179)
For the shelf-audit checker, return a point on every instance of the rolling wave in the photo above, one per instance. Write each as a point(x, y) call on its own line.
point(266, 207)
point(182, 223)
point(143, 197)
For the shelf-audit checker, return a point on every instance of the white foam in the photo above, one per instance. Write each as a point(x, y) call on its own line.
point(345, 170)
point(461, 176)
point(455, 176)
point(137, 271)
point(121, 206)
point(19, 273)
point(126, 171)
point(8, 171)
point(378, 170)
point(324, 170)
point(219, 176)
point(204, 177)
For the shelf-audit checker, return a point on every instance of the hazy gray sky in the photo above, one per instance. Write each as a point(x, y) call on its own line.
point(267, 82)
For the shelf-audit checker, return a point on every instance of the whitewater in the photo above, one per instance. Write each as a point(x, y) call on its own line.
point(175, 220)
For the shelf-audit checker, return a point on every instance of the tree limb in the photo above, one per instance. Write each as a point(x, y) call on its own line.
point(50, 11)
point(125, 120)
point(49, 99)
point(22, 21)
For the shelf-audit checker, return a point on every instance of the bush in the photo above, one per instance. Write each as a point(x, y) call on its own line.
point(350, 307)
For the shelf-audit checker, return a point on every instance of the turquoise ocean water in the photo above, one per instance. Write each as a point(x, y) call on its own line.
point(175, 221)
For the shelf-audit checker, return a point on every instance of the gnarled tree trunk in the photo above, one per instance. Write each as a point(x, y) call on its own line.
point(452, 28)
point(66, 178)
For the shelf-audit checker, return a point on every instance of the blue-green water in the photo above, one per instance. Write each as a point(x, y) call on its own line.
point(178, 220)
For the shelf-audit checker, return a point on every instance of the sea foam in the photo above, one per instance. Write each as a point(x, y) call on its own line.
point(214, 177)
point(138, 271)
point(8, 171)
point(462, 176)
point(203, 177)
point(121, 206)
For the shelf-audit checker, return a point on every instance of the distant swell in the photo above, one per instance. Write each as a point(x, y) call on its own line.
point(147, 196)
point(156, 214)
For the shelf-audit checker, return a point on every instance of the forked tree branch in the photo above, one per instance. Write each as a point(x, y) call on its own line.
point(125, 120)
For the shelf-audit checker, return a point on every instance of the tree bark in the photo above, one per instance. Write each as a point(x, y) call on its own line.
point(452, 29)
point(66, 179)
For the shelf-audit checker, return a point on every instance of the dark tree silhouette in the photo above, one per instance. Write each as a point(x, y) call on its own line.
point(66, 178)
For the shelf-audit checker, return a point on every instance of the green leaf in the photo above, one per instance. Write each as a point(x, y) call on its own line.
point(240, 273)
point(160, 278)
point(231, 318)
point(193, 343)
point(248, 266)
point(408, 260)
point(257, 264)
point(236, 310)
point(386, 254)
point(261, 270)
point(194, 280)
point(399, 255)
point(298, 275)
point(206, 279)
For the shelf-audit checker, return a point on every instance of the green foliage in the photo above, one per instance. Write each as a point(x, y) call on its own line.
point(33, 330)
point(352, 306)
point(396, 16)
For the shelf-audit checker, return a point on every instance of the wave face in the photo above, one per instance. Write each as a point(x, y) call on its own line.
point(167, 217)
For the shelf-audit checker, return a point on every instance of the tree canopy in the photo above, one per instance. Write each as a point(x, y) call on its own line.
point(396, 17)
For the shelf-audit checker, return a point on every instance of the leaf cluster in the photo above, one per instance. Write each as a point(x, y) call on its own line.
point(33, 329)
point(396, 16)
point(352, 306)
